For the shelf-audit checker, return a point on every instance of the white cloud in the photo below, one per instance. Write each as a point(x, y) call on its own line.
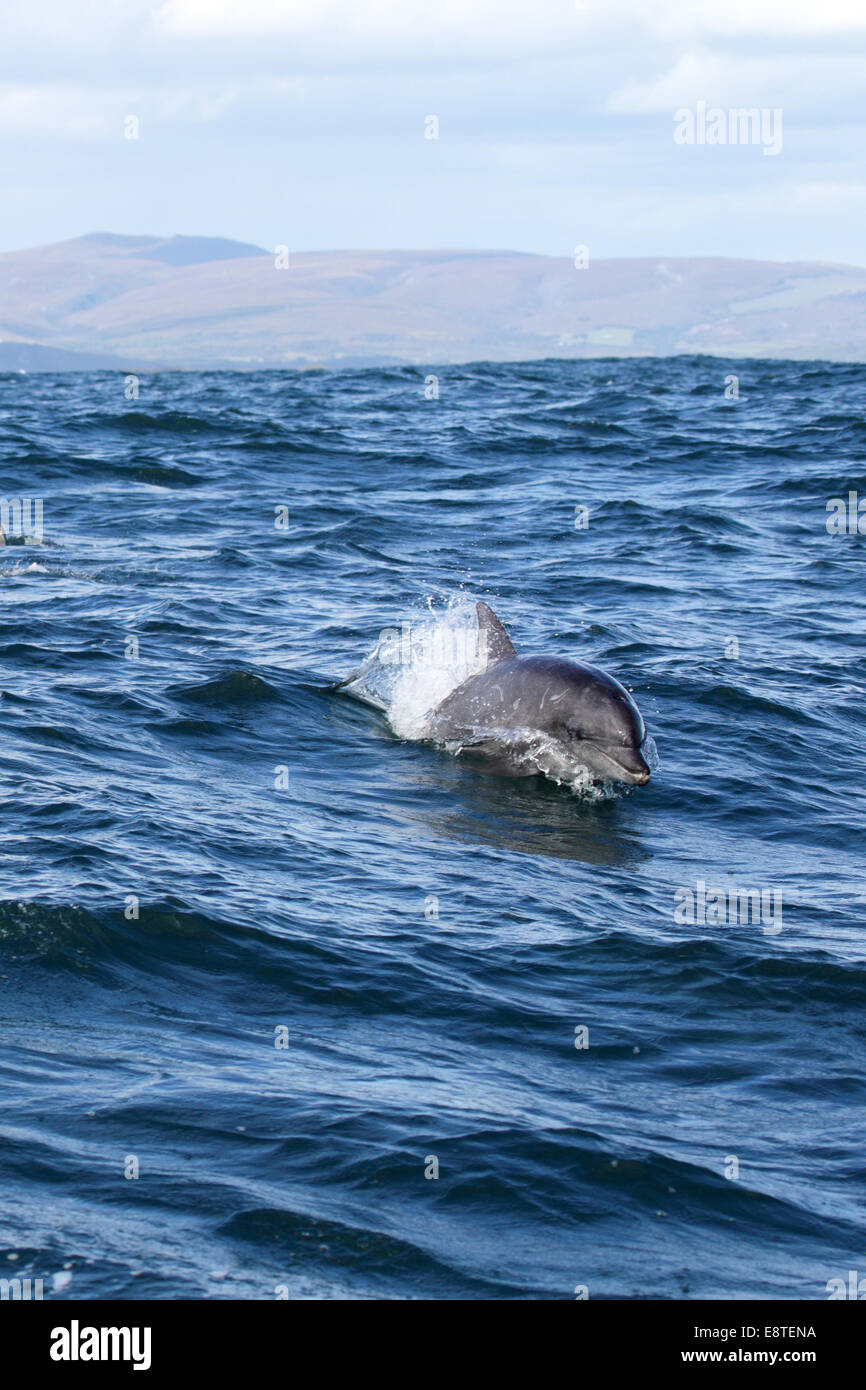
point(53, 113)
point(70, 114)
point(315, 108)
point(803, 88)
point(500, 25)
point(706, 19)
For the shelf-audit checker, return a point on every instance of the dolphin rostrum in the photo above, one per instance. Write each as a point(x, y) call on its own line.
point(577, 715)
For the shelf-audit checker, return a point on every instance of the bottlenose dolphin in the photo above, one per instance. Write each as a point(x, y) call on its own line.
point(566, 714)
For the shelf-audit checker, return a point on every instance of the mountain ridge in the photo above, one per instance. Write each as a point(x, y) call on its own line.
point(199, 302)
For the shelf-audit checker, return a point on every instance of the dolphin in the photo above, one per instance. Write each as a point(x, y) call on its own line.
point(577, 714)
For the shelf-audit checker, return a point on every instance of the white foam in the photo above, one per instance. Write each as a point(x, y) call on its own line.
point(414, 666)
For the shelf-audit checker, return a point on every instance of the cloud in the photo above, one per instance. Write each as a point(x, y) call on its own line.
point(804, 89)
point(550, 113)
point(71, 114)
point(688, 20)
point(54, 113)
point(500, 26)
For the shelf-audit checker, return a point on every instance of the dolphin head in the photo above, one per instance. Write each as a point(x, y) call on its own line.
point(589, 720)
point(596, 720)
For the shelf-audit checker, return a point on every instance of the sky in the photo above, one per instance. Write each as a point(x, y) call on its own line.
point(305, 123)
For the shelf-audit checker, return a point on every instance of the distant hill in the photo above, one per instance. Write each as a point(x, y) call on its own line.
point(136, 302)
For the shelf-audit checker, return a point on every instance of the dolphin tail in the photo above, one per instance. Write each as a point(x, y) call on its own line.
point(492, 637)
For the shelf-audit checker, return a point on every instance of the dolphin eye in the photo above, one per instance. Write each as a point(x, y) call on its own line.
point(574, 732)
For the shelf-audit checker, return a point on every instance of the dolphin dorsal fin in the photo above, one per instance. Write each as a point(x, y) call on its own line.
point(496, 642)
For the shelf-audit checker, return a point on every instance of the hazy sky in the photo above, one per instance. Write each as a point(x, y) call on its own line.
point(301, 122)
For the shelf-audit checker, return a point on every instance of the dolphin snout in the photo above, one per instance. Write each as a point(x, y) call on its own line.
point(636, 767)
point(624, 764)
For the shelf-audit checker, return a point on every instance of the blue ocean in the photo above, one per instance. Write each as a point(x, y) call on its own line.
point(296, 1005)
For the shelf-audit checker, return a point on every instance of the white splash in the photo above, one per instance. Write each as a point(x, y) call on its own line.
point(414, 666)
point(19, 567)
